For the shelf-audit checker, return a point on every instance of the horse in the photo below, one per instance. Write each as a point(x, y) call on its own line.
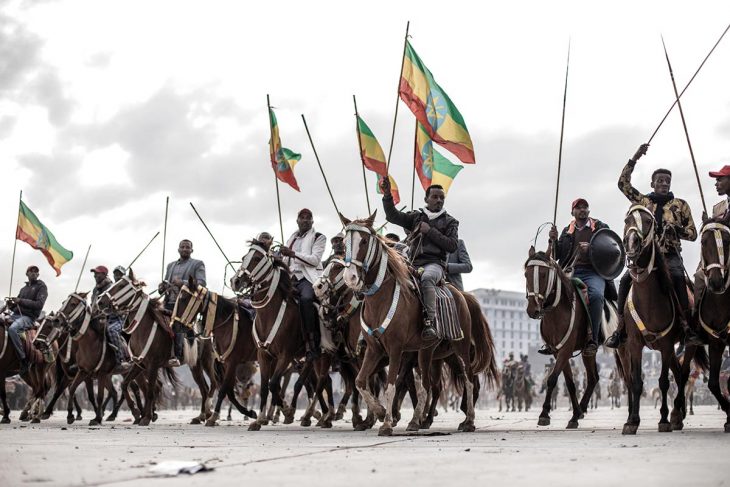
point(150, 343)
point(243, 388)
point(651, 321)
point(228, 326)
point(552, 297)
point(615, 388)
point(37, 378)
point(390, 296)
point(522, 390)
point(713, 308)
point(507, 391)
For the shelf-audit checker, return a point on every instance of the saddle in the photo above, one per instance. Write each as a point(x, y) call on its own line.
point(447, 318)
point(33, 355)
point(609, 322)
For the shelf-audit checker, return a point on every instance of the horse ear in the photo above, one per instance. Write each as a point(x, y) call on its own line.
point(344, 220)
point(371, 219)
point(531, 253)
point(131, 274)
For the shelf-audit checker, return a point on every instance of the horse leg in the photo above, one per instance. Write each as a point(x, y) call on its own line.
point(199, 378)
point(592, 379)
point(149, 395)
point(369, 365)
point(348, 377)
point(114, 398)
point(327, 419)
point(78, 379)
point(664, 426)
point(298, 385)
point(716, 350)
point(551, 382)
point(226, 386)
point(61, 385)
point(265, 364)
point(681, 375)
point(570, 386)
point(4, 399)
point(128, 379)
point(635, 387)
point(387, 428)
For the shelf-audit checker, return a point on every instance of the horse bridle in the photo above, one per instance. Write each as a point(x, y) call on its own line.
point(373, 252)
point(81, 308)
point(123, 297)
point(194, 306)
point(723, 261)
point(334, 286)
point(264, 272)
point(553, 284)
point(646, 240)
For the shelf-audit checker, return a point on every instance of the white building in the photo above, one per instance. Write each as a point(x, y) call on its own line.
point(512, 329)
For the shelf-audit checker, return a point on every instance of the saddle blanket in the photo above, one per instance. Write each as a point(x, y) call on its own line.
point(447, 319)
point(31, 353)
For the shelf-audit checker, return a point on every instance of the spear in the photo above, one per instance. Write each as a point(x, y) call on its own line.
point(397, 99)
point(311, 142)
point(81, 272)
point(142, 251)
point(228, 261)
point(359, 143)
point(164, 239)
point(684, 124)
point(562, 130)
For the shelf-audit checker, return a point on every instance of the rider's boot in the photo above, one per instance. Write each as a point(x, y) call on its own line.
point(618, 336)
point(591, 346)
point(429, 331)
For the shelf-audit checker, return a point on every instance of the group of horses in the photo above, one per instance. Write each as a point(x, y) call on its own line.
point(370, 323)
point(650, 317)
point(516, 387)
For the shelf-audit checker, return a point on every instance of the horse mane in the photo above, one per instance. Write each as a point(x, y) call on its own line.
point(396, 264)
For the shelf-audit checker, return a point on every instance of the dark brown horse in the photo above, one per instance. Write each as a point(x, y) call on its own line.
point(651, 320)
point(228, 326)
point(553, 298)
point(382, 276)
point(713, 308)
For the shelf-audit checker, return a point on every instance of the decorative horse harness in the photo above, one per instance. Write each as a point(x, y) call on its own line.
point(722, 264)
point(80, 310)
point(336, 285)
point(554, 283)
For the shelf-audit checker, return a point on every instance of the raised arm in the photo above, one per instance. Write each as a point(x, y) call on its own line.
point(624, 181)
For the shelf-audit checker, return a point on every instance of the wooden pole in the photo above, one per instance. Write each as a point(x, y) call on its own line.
point(327, 184)
point(562, 131)
point(142, 251)
point(397, 99)
point(15, 245)
point(413, 176)
point(276, 178)
point(684, 124)
point(362, 163)
point(164, 240)
point(81, 272)
point(228, 261)
point(688, 83)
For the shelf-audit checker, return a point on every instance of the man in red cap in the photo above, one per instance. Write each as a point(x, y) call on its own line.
point(113, 321)
point(26, 308)
point(722, 185)
point(304, 251)
point(571, 252)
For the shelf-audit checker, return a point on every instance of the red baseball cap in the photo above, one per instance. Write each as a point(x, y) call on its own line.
point(578, 202)
point(100, 268)
point(725, 171)
point(305, 210)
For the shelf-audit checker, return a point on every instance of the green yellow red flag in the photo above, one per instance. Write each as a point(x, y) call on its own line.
point(283, 160)
point(373, 157)
point(433, 108)
point(431, 166)
point(31, 231)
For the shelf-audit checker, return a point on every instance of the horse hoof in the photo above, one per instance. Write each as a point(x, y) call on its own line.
point(94, 422)
point(79, 417)
point(144, 422)
point(254, 427)
point(136, 421)
point(572, 424)
point(45, 416)
point(6, 420)
point(317, 414)
point(385, 431)
point(543, 421)
point(677, 426)
point(339, 416)
point(23, 416)
point(727, 425)
point(412, 426)
point(70, 420)
point(468, 428)
point(211, 422)
point(665, 428)
point(359, 427)
point(154, 417)
point(35, 421)
point(195, 421)
point(582, 416)
point(264, 422)
point(630, 429)
point(306, 422)
point(111, 417)
point(326, 425)
point(428, 423)
point(691, 412)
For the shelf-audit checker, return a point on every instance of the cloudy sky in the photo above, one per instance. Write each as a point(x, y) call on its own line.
point(106, 108)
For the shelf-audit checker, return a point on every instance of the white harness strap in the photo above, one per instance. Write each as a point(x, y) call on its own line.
point(706, 327)
point(234, 338)
point(147, 345)
point(552, 281)
point(273, 286)
point(646, 240)
point(103, 353)
point(138, 315)
point(69, 343)
point(388, 317)
point(5, 343)
point(717, 229)
point(274, 329)
point(571, 325)
point(650, 336)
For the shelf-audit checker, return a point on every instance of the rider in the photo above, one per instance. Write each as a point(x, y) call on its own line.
point(304, 250)
point(434, 234)
point(26, 308)
point(673, 223)
point(118, 272)
point(457, 264)
point(178, 273)
point(571, 250)
point(114, 322)
point(338, 248)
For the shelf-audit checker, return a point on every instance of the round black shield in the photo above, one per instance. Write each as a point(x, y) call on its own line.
point(607, 254)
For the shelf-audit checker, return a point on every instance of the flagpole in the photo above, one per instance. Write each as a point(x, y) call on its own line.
point(15, 244)
point(142, 251)
point(413, 176)
point(688, 83)
point(359, 143)
point(81, 272)
point(684, 124)
point(320, 165)
point(228, 261)
point(276, 179)
point(164, 240)
point(397, 98)
point(562, 130)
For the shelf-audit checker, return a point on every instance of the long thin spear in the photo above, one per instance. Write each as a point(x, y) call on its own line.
point(228, 261)
point(142, 251)
point(359, 143)
point(164, 240)
point(562, 130)
point(276, 178)
point(15, 244)
point(413, 175)
point(320, 166)
point(81, 272)
point(688, 83)
point(397, 98)
point(684, 124)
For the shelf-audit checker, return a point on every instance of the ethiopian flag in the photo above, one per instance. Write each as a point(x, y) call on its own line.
point(431, 166)
point(373, 157)
point(433, 108)
point(31, 231)
point(283, 160)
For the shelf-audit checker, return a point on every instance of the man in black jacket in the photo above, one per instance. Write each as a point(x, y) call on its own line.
point(434, 234)
point(26, 309)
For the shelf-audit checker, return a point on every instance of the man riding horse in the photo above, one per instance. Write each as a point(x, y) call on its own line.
point(673, 223)
point(572, 252)
point(434, 234)
point(26, 308)
point(113, 320)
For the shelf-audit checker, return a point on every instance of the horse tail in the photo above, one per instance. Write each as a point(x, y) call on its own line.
point(171, 376)
point(453, 374)
point(701, 360)
point(484, 351)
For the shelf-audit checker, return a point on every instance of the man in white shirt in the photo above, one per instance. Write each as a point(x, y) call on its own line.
point(304, 251)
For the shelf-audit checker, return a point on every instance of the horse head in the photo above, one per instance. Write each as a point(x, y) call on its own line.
point(255, 267)
point(543, 283)
point(74, 315)
point(361, 250)
point(120, 296)
point(331, 281)
point(715, 255)
point(48, 332)
point(639, 232)
point(190, 301)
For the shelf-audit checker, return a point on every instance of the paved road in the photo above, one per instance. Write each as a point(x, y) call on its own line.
point(508, 449)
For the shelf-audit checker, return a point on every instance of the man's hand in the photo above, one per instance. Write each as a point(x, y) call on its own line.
point(553, 234)
point(424, 227)
point(640, 152)
point(385, 185)
point(705, 218)
point(583, 247)
point(286, 251)
point(162, 287)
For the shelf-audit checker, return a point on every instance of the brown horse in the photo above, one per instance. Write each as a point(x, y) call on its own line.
point(150, 344)
point(228, 326)
point(651, 320)
point(37, 378)
point(382, 276)
point(277, 329)
point(553, 298)
point(713, 308)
